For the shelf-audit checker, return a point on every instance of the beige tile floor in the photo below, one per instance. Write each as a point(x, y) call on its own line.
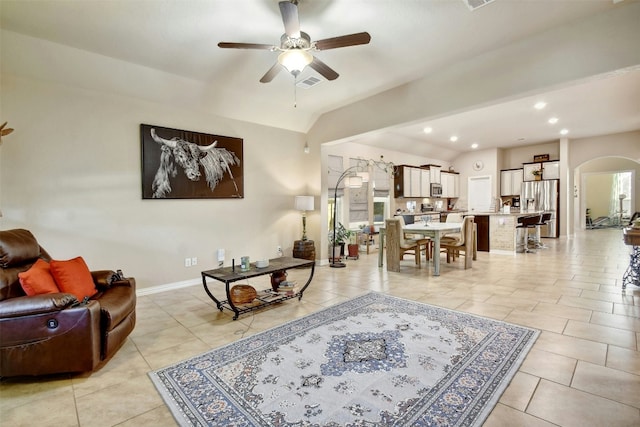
point(584, 369)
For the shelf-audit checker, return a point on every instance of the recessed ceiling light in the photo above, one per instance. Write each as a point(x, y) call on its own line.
point(474, 145)
point(453, 138)
point(540, 105)
point(564, 131)
point(427, 130)
point(553, 120)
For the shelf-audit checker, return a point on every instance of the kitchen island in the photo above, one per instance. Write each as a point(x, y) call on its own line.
point(499, 233)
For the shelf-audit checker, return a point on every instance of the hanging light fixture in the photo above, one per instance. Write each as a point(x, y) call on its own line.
point(354, 181)
point(294, 60)
point(364, 176)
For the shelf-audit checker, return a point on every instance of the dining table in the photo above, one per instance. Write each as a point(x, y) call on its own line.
point(435, 230)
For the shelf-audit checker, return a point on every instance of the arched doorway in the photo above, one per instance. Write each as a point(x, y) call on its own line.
point(597, 188)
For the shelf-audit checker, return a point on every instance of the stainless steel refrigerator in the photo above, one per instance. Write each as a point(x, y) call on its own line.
point(543, 196)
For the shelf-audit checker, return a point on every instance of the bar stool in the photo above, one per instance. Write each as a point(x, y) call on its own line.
point(544, 220)
point(522, 233)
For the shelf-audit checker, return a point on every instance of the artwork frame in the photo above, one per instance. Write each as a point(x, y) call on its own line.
point(541, 158)
point(182, 164)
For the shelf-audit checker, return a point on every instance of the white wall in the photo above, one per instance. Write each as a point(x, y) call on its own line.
point(71, 173)
point(597, 193)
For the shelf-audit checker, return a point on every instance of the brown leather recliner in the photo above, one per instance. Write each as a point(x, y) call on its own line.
point(56, 333)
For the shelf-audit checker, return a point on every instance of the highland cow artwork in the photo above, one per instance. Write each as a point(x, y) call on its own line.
point(179, 164)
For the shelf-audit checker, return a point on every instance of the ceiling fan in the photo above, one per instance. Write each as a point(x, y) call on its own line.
point(295, 46)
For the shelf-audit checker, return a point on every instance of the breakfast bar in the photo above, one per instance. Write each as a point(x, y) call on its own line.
point(501, 233)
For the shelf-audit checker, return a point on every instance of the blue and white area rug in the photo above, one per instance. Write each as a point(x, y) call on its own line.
point(375, 360)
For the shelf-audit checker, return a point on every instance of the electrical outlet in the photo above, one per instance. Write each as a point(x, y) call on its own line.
point(194, 260)
point(187, 262)
point(220, 255)
point(279, 250)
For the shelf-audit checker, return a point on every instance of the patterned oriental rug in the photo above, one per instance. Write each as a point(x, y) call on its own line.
point(375, 360)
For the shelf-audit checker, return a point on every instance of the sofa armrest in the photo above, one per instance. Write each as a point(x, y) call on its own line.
point(103, 278)
point(127, 281)
point(37, 304)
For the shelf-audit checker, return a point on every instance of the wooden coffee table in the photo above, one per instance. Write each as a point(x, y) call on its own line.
point(228, 275)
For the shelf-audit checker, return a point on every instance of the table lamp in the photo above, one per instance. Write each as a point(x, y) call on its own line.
point(304, 204)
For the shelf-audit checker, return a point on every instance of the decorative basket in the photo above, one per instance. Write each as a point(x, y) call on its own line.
point(242, 294)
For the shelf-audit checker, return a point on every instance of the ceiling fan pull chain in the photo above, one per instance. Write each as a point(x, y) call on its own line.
point(295, 92)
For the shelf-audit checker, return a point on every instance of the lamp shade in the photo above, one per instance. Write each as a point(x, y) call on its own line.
point(364, 176)
point(304, 203)
point(353, 181)
point(295, 60)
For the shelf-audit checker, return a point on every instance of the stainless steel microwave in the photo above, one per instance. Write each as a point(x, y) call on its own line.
point(436, 190)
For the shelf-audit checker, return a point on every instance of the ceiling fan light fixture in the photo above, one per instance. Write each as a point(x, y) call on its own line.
point(294, 60)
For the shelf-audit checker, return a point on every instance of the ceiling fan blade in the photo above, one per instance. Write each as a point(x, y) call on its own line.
point(230, 45)
point(289, 12)
point(343, 41)
point(273, 71)
point(322, 68)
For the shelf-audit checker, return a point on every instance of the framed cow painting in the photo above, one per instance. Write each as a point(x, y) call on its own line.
point(180, 164)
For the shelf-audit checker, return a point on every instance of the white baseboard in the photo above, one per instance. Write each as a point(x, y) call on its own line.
point(167, 287)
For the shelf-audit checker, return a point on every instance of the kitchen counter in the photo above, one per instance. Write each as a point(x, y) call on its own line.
point(497, 230)
point(516, 214)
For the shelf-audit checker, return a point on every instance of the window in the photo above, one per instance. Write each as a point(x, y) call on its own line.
point(620, 208)
point(380, 209)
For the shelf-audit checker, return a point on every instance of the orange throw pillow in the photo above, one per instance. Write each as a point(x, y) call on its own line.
point(38, 280)
point(73, 277)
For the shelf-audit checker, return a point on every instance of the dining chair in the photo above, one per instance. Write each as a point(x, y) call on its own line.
point(454, 245)
point(454, 217)
point(424, 243)
point(397, 245)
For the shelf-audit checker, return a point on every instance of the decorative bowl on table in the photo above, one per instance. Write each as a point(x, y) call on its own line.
point(262, 263)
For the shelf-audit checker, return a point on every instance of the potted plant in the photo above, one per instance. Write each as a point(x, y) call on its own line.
point(341, 235)
point(352, 247)
point(537, 174)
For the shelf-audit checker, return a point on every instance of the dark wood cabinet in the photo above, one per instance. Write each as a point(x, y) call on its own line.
point(482, 225)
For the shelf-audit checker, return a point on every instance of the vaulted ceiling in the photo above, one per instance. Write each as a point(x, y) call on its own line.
point(409, 39)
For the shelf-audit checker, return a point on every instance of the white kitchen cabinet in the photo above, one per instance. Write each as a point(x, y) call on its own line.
point(425, 182)
point(434, 174)
point(456, 185)
point(505, 183)
point(511, 182)
point(551, 170)
point(416, 186)
point(407, 182)
point(528, 169)
point(448, 182)
point(444, 182)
